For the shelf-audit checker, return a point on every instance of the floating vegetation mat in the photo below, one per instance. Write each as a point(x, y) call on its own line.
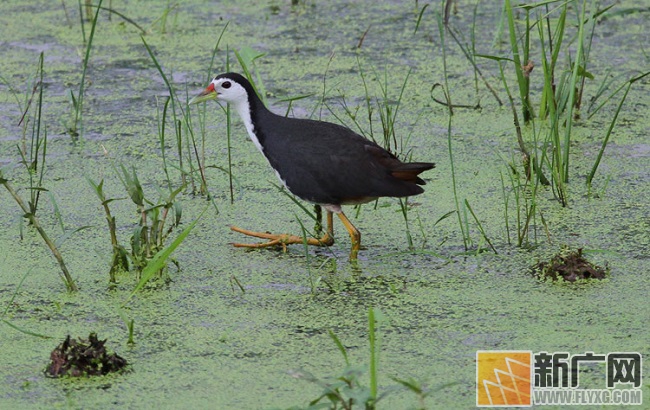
point(83, 358)
point(569, 265)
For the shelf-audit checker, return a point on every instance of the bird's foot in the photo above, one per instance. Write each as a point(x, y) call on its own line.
point(280, 239)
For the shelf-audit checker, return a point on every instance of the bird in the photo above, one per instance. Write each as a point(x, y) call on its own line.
point(320, 162)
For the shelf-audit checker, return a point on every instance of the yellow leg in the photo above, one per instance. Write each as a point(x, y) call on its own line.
point(286, 239)
point(355, 235)
point(330, 228)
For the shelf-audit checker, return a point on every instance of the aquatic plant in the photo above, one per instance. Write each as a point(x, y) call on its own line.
point(81, 357)
point(33, 220)
point(363, 116)
point(246, 56)
point(348, 391)
point(364, 119)
point(202, 113)
point(469, 51)
point(162, 20)
point(151, 233)
point(629, 84)
point(182, 123)
point(568, 265)
point(461, 212)
point(33, 158)
point(523, 191)
point(75, 125)
point(157, 264)
point(156, 222)
point(119, 260)
point(10, 303)
point(545, 143)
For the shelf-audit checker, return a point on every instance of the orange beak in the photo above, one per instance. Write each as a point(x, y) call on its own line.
point(208, 94)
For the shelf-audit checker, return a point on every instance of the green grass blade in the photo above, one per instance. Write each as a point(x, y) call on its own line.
point(417, 23)
point(480, 226)
point(530, 6)
point(25, 331)
point(172, 96)
point(81, 20)
point(450, 114)
point(214, 51)
point(161, 137)
point(159, 259)
point(611, 127)
point(293, 198)
point(491, 57)
point(564, 166)
point(521, 79)
point(124, 17)
point(11, 302)
point(373, 352)
point(340, 346)
point(20, 284)
point(246, 57)
point(78, 119)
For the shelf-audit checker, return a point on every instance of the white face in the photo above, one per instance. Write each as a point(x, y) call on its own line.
point(229, 90)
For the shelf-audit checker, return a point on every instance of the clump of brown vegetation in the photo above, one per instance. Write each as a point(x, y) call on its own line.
point(569, 265)
point(83, 358)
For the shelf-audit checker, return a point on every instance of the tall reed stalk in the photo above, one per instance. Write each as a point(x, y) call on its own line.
point(562, 85)
point(76, 128)
point(464, 229)
point(35, 166)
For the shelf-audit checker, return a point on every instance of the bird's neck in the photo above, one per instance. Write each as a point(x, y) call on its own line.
point(251, 110)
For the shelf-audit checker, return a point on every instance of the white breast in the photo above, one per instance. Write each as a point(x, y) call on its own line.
point(243, 110)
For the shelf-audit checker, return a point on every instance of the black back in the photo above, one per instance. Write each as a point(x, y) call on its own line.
point(327, 163)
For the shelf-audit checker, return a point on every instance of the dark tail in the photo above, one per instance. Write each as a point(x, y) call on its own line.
point(409, 171)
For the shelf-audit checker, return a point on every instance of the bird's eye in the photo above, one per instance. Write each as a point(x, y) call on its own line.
point(226, 84)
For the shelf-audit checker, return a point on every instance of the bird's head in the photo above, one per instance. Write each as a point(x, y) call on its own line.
point(225, 87)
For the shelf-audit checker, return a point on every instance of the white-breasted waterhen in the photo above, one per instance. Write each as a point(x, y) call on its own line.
point(320, 162)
